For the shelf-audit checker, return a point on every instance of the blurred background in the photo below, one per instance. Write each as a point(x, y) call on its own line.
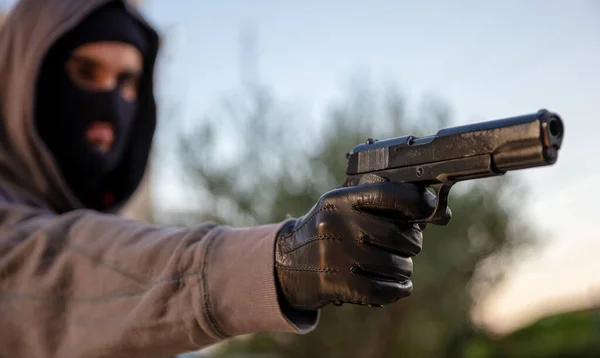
point(259, 101)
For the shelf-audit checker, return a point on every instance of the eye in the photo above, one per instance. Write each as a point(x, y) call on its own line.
point(128, 79)
point(128, 83)
point(85, 72)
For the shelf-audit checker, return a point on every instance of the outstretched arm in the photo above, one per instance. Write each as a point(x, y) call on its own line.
point(85, 284)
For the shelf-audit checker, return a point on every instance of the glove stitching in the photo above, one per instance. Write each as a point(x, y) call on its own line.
point(371, 205)
point(307, 220)
point(314, 239)
point(306, 269)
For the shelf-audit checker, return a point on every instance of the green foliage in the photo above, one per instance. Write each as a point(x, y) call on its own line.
point(254, 162)
point(567, 335)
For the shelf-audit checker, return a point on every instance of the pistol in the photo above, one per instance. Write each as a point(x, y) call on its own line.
point(466, 152)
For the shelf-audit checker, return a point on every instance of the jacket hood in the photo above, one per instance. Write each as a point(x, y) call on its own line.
point(28, 33)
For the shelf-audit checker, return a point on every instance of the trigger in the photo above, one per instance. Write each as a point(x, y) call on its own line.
point(439, 217)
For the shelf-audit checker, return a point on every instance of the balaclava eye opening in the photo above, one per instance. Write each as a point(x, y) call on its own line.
point(64, 111)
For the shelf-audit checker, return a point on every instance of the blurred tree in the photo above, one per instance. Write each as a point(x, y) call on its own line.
point(254, 162)
point(567, 335)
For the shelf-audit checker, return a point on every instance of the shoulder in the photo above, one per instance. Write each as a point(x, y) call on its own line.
point(13, 194)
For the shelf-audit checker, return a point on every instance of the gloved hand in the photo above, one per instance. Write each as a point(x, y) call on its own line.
point(354, 246)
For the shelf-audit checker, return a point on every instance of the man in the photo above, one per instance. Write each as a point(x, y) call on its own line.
point(76, 280)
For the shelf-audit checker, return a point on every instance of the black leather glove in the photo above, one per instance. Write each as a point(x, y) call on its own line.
point(354, 246)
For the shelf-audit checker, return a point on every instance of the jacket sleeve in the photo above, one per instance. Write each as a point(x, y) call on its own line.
point(86, 284)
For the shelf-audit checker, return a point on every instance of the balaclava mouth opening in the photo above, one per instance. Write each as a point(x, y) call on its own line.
point(64, 110)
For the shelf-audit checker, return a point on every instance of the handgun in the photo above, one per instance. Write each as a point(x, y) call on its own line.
point(473, 151)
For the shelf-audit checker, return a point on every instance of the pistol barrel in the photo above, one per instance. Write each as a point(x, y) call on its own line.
point(512, 143)
point(535, 152)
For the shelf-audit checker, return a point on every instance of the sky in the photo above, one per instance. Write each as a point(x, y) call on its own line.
point(488, 60)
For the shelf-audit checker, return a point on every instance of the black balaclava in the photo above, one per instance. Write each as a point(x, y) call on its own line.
point(64, 111)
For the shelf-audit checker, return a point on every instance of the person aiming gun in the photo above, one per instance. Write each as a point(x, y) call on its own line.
point(76, 280)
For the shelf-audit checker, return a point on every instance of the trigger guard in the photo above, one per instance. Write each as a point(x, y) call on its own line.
point(438, 217)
